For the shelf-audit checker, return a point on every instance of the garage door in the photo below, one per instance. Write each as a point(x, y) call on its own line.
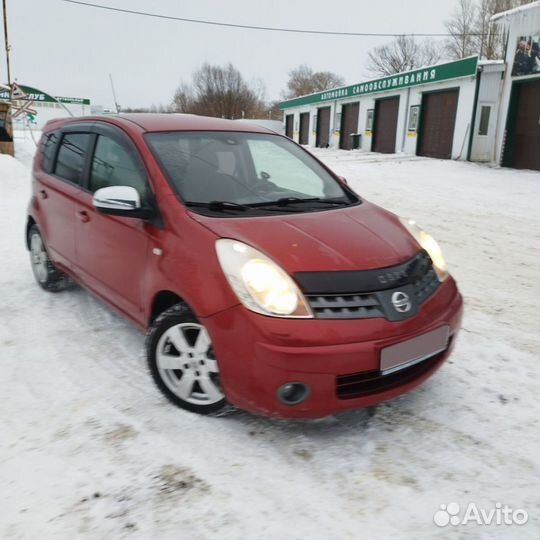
point(523, 135)
point(289, 124)
point(384, 132)
point(323, 127)
point(349, 124)
point(437, 120)
point(304, 128)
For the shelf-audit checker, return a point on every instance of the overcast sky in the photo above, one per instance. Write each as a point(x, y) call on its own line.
point(69, 50)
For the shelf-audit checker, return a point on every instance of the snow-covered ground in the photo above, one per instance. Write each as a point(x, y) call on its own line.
point(90, 450)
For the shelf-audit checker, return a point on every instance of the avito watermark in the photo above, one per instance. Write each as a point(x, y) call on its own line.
point(499, 514)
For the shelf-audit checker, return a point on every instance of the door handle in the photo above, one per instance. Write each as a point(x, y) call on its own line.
point(83, 216)
point(43, 194)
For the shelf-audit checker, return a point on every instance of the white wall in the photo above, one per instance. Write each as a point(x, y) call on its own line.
point(489, 95)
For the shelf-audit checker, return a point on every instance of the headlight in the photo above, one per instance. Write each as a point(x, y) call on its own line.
point(430, 245)
point(260, 284)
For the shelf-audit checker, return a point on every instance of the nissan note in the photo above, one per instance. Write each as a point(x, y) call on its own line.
point(263, 281)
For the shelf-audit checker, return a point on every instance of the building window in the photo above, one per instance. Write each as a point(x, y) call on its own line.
point(414, 114)
point(369, 119)
point(483, 126)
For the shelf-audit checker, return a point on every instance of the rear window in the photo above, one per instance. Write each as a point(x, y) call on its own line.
point(48, 149)
point(71, 156)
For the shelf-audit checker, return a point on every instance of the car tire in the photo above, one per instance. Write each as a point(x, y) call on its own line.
point(47, 275)
point(181, 361)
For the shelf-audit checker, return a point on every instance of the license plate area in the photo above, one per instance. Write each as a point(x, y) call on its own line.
point(415, 350)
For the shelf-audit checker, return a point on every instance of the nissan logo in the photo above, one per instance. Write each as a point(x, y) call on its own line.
point(401, 302)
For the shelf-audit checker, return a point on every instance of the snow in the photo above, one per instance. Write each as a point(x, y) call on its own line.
point(514, 11)
point(90, 450)
point(491, 62)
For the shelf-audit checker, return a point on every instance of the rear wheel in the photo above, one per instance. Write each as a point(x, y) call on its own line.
point(182, 362)
point(47, 275)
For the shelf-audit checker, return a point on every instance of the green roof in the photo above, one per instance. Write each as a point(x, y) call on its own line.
point(428, 75)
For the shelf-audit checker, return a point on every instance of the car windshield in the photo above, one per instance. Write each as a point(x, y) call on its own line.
point(239, 172)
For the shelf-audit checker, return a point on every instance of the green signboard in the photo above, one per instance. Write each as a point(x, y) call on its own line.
point(38, 96)
point(73, 100)
point(429, 75)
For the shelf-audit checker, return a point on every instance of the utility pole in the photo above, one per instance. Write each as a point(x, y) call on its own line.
point(114, 95)
point(6, 144)
point(6, 41)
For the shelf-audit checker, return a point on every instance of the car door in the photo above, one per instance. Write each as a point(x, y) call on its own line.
point(58, 188)
point(112, 251)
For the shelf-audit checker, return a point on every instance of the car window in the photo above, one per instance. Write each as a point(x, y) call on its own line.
point(112, 165)
point(48, 149)
point(71, 156)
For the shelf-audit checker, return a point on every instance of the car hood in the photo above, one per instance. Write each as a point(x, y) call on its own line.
point(360, 237)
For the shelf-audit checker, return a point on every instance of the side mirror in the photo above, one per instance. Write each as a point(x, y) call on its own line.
point(123, 201)
point(344, 180)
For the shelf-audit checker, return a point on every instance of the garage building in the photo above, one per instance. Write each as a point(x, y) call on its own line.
point(425, 111)
point(483, 111)
point(518, 133)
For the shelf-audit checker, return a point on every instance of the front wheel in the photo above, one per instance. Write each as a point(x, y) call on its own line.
point(182, 362)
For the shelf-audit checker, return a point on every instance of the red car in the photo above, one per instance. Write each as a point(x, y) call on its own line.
point(263, 280)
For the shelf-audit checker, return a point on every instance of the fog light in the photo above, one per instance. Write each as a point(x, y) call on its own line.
point(293, 393)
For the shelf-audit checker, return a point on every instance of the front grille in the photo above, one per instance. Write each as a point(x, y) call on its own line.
point(366, 294)
point(346, 306)
point(356, 385)
point(426, 285)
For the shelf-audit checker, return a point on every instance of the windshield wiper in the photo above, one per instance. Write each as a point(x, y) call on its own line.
point(286, 201)
point(219, 205)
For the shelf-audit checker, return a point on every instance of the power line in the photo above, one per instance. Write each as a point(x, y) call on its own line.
point(264, 28)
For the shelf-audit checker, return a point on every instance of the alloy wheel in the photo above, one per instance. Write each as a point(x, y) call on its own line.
point(187, 365)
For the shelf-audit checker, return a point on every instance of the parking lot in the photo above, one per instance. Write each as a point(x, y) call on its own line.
point(89, 449)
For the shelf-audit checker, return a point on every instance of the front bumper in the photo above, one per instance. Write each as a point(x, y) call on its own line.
point(258, 354)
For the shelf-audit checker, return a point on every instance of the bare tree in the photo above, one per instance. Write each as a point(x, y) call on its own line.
point(221, 92)
point(303, 80)
point(273, 111)
point(430, 53)
point(491, 36)
point(402, 54)
point(462, 24)
point(472, 30)
point(183, 98)
point(258, 86)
